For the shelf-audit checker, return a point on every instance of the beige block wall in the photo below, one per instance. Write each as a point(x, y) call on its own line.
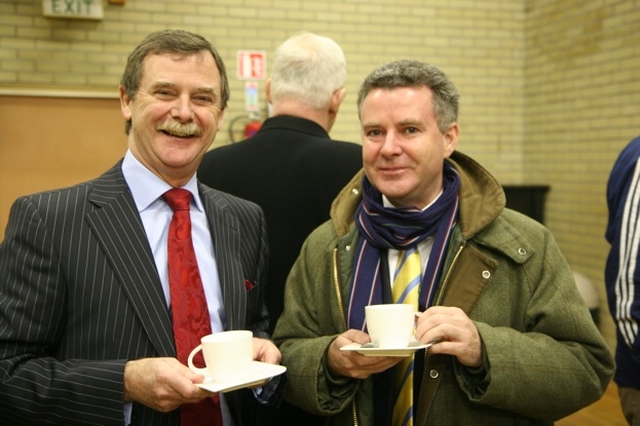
point(582, 105)
point(480, 44)
point(547, 88)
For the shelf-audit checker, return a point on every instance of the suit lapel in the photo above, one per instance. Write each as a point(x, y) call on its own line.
point(225, 232)
point(119, 230)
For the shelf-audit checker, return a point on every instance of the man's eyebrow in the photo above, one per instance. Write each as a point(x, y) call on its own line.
point(162, 85)
point(410, 122)
point(370, 124)
point(406, 122)
point(168, 85)
point(199, 90)
point(206, 89)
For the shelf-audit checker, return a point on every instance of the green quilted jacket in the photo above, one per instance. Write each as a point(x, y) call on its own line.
point(544, 355)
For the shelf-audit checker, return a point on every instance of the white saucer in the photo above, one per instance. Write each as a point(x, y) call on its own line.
point(406, 351)
point(258, 373)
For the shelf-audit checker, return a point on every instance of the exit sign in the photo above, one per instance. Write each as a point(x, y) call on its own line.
point(73, 9)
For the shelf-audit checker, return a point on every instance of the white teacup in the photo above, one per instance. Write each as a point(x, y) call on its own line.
point(227, 355)
point(390, 325)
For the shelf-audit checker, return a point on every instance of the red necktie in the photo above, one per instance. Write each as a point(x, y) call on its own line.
point(188, 303)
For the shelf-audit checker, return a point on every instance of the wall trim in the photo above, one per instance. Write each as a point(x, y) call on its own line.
point(59, 93)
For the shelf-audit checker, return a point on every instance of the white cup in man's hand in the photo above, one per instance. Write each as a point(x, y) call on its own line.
point(390, 325)
point(227, 355)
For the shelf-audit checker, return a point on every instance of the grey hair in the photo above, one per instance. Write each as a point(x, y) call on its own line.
point(412, 73)
point(308, 68)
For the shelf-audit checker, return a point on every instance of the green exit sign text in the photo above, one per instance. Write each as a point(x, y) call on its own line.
point(73, 9)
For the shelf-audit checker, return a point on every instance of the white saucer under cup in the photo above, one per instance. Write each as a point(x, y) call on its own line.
point(396, 352)
point(259, 373)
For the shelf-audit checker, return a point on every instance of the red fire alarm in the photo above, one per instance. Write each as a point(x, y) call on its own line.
point(252, 64)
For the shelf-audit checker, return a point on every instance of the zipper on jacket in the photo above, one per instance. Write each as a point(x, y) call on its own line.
point(445, 281)
point(336, 283)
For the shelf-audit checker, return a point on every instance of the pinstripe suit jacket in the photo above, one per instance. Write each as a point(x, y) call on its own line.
point(80, 295)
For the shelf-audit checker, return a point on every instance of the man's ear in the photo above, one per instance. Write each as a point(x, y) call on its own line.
point(451, 139)
point(221, 120)
point(125, 101)
point(267, 90)
point(336, 100)
point(125, 108)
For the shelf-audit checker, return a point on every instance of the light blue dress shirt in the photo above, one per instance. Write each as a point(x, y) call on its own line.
point(147, 190)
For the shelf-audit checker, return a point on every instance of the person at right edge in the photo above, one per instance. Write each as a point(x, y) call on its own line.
point(622, 274)
point(518, 345)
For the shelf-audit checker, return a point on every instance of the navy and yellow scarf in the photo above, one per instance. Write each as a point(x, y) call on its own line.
point(383, 228)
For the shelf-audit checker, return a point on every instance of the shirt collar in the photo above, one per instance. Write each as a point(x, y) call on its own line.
point(387, 203)
point(146, 187)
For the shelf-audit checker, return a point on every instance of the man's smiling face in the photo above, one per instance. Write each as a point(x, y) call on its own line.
point(175, 114)
point(403, 148)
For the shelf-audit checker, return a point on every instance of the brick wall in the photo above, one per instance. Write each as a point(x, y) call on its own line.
point(548, 94)
point(582, 105)
point(480, 44)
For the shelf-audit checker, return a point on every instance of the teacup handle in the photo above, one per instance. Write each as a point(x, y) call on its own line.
point(193, 368)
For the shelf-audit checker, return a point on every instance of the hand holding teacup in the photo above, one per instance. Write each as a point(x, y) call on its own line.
point(389, 326)
point(353, 364)
point(458, 333)
point(229, 355)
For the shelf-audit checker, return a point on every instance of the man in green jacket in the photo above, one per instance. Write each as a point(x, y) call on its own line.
point(518, 345)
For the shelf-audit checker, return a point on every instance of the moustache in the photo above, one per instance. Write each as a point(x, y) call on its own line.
point(182, 130)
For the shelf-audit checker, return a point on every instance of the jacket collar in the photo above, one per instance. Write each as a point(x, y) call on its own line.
point(298, 124)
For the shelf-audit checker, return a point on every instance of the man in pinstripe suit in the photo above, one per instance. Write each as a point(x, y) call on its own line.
point(85, 324)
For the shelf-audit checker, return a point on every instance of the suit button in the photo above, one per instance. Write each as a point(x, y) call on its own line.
point(433, 374)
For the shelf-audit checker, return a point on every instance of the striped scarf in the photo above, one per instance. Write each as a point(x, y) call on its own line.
point(383, 228)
